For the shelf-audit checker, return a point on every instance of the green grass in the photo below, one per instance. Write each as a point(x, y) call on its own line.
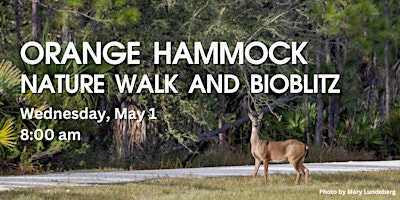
point(278, 187)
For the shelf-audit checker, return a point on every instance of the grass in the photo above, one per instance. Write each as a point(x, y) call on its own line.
point(278, 187)
point(213, 156)
point(336, 154)
point(216, 156)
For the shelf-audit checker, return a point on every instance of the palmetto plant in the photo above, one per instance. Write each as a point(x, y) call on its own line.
point(295, 122)
point(9, 96)
point(390, 133)
point(11, 100)
point(8, 135)
point(9, 82)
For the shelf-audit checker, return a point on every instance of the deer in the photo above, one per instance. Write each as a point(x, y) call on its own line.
point(266, 151)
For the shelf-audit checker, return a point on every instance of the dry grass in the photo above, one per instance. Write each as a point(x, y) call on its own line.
point(228, 157)
point(223, 157)
point(278, 187)
point(336, 154)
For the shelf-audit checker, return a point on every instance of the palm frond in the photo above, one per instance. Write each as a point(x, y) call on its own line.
point(8, 134)
point(10, 79)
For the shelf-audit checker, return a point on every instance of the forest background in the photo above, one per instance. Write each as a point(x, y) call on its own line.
point(358, 39)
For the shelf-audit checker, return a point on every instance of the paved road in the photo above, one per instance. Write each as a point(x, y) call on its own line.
point(85, 178)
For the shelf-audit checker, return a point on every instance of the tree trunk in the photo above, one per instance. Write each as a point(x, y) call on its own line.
point(319, 124)
point(331, 102)
point(35, 21)
point(221, 122)
point(329, 109)
point(221, 136)
point(376, 99)
point(386, 62)
point(17, 21)
point(332, 119)
point(307, 102)
point(128, 134)
point(371, 76)
point(307, 123)
point(381, 103)
point(64, 33)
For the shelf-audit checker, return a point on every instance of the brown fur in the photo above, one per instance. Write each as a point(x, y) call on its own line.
point(266, 151)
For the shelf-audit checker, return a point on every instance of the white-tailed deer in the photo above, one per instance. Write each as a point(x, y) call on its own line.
point(276, 151)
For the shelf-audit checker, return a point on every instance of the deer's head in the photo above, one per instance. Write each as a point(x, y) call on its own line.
point(256, 121)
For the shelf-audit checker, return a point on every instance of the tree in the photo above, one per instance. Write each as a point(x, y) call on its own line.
point(356, 39)
point(386, 63)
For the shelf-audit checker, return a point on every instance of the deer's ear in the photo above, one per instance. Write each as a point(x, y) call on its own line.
point(251, 116)
point(261, 115)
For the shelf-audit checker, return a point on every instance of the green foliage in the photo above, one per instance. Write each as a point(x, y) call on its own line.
point(347, 33)
point(295, 121)
point(74, 3)
point(10, 78)
point(127, 16)
point(8, 135)
point(11, 100)
point(389, 131)
point(369, 133)
point(292, 123)
point(341, 17)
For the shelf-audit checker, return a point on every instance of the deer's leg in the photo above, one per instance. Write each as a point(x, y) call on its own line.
point(256, 167)
point(265, 169)
point(296, 164)
point(306, 172)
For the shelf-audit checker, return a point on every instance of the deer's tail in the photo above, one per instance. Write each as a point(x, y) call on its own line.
point(306, 152)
